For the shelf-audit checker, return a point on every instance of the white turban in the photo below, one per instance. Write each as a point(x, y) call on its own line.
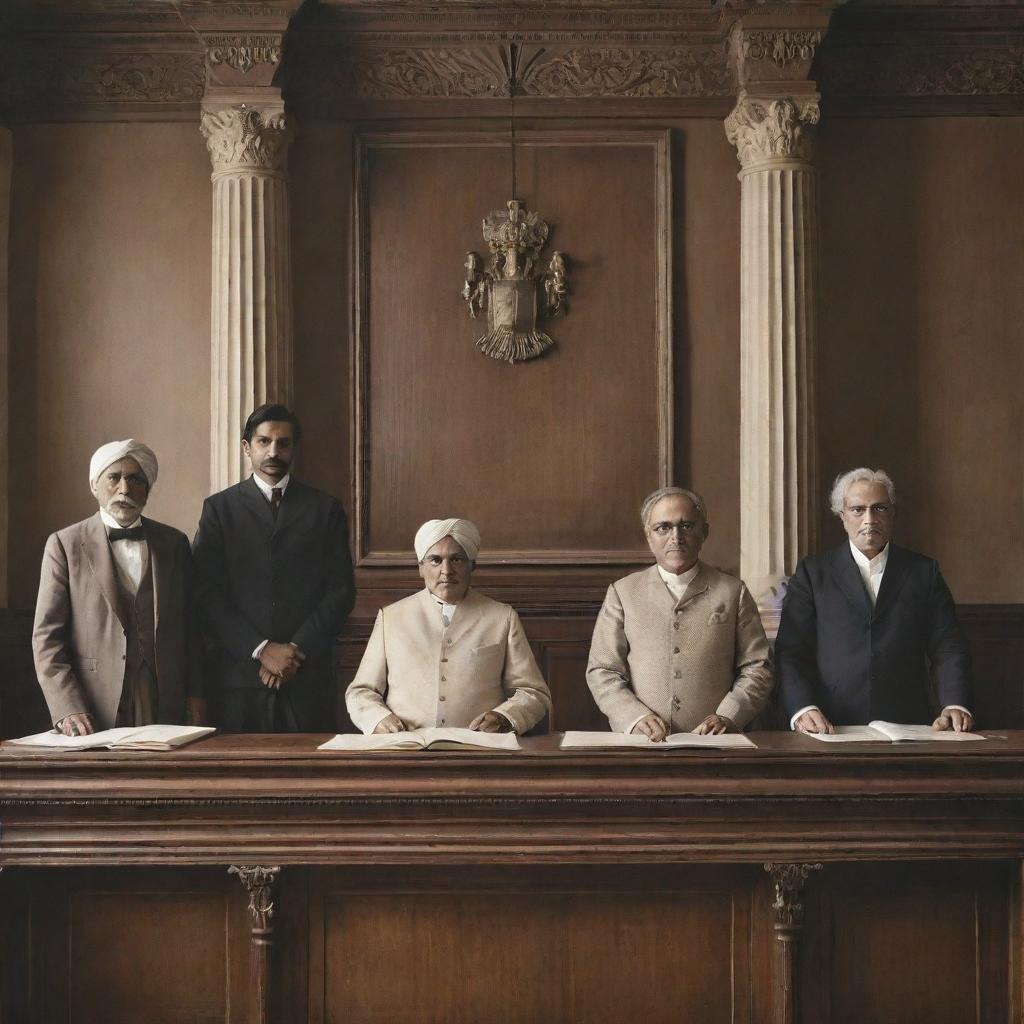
point(462, 531)
point(108, 454)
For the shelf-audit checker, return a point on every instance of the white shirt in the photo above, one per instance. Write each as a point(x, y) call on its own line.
point(871, 572)
point(677, 584)
point(265, 490)
point(131, 557)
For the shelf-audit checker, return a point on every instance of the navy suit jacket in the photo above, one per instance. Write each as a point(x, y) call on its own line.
point(857, 662)
point(287, 579)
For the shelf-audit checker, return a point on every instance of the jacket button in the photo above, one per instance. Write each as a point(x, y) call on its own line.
point(443, 660)
point(442, 698)
point(677, 675)
point(675, 650)
point(448, 642)
point(444, 679)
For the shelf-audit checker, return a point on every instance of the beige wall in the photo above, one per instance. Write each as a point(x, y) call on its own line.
point(921, 362)
point(110, 312)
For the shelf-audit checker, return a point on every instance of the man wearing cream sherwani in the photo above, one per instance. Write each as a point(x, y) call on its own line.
point(447, 656)
point(678, 647)
point(115, 639)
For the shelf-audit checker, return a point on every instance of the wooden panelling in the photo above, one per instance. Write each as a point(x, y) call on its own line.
point(548, 457)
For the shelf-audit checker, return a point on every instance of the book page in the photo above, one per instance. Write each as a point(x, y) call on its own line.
point(634, 741)
point(922, 733)
point(453, 739)
point(55, 740)
point(375, 741)
point(849, 734)
point(162, 737)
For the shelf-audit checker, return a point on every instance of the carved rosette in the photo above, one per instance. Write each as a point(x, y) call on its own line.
point(789, 880)
point(259, 883)
point(769, 131)
point(247, 138)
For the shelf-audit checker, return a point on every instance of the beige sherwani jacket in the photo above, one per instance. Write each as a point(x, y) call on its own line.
point(705, 654)
point(432, 675)
point(78, 638)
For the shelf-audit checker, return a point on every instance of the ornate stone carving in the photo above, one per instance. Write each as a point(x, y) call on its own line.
point(788, 880)
point(923, 71)
point(413, 72)
point(243, 53)
point(245, 137)
point(767, 130)
point(767, 55)
point(259, 883)
point(629, 72)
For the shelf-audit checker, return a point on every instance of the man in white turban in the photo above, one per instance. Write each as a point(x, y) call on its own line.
point(99, 657)
point(447, 655)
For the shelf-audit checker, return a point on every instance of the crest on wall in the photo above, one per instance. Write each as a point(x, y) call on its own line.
point(514, 287)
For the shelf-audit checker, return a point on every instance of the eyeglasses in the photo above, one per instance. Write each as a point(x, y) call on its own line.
point(664, 529)
point(859, 511)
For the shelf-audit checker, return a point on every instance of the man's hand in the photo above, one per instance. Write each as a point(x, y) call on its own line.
point(269, 680)
point(76, 725)
point(715, 724)
point(814, 721)
point(653, 727)
point(390, 724)
point(282, 660)
point(491, 721)
point(195, 711)
point(955, 719)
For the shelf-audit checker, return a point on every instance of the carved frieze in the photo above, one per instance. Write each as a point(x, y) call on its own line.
point(770, 55)
point(243, 53)
point(768, 130)
point(247, 138)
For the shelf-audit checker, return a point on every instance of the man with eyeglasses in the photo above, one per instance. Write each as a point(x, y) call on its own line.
point(679, 646)
point(868, 625)
point(447, 656)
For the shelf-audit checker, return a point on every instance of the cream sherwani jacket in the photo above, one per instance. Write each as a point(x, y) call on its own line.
point(705, 654)
point(430, 674)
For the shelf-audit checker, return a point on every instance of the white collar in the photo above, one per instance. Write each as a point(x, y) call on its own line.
point(447, 610)
point(112, 524)
point(266, 488)
point(683, 579)
point(874, 566)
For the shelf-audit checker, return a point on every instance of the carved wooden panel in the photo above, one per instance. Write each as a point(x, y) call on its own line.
point(549, 457)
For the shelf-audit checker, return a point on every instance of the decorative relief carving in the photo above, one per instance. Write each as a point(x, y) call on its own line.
point(122, 77)
point(766, 130)
point(789, 880)
point(772, 55)
point(259, 883)
point(243, 53)
point(413, 72)
point(246, 138)
point(628, 72)
point(920, 71)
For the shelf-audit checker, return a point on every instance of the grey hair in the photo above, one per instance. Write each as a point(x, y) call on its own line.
point(845, 481)
point(654, 497)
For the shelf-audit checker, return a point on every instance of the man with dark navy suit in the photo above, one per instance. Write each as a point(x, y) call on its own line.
point(869, 628)
point(276, 585)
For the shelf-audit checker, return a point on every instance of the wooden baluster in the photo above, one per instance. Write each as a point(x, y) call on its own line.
point(259, 883)
point(788, 880)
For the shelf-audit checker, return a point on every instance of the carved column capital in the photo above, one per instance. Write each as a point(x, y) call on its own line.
point(259, 883)
point(247, 138)
point(774, 54)
point(772, 130)
point(243, 53)
point(788, 880)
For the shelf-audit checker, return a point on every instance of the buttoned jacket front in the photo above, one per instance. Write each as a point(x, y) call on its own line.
point(683, 660)
point(429, 674)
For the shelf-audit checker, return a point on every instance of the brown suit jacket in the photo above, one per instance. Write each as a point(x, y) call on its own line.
point(78, 639)
point(429, 675)
point(705, 654)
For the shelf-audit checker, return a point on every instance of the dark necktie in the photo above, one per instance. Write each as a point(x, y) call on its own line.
point(135, 533)
point(276, 496)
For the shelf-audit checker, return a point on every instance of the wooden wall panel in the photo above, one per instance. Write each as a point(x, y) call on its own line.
point(549, 457)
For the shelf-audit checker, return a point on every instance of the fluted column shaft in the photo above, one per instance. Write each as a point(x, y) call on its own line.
point(251, 298)
point(778, 326)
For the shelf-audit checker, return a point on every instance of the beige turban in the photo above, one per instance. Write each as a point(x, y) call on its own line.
point(108, 454)
point(462, 531)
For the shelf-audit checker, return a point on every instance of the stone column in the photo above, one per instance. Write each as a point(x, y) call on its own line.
point(251, 307)
point(778, 290)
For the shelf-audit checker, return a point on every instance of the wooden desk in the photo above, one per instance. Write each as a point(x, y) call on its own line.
point(537, 886)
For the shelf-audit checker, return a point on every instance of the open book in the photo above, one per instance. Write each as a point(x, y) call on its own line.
point(591, 740)
point(425, 739)
point(890, 732)
point(145, 737)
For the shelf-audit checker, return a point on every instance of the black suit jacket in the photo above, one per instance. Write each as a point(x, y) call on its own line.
point(859, 663)
point(288, 580)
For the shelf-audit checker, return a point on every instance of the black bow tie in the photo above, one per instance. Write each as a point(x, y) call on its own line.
point(135, 533)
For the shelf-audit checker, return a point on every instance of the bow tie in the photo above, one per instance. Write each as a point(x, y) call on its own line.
point(135, 533)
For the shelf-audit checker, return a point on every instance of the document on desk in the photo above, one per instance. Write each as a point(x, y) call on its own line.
point(891, 732)
point(634, 741)
point(146, 737)
point(424, 739)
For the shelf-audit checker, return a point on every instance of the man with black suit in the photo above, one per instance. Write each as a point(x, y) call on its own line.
point(866, 626)
point(276, 584)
